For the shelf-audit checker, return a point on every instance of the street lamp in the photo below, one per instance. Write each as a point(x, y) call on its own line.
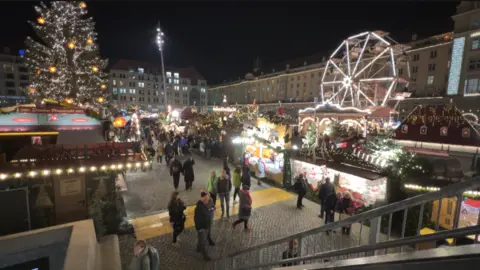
point(159, 45)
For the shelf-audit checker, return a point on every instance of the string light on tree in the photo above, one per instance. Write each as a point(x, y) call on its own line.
point(101, 99)
point(103, 86)
point(75, 75)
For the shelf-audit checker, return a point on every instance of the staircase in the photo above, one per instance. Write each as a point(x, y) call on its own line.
point(371, 235)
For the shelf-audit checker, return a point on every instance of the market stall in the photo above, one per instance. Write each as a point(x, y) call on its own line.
point(367, 188)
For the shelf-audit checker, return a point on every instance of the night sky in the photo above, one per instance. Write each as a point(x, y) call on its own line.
point(222, 39)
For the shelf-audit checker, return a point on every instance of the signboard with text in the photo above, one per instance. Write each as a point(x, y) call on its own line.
point(74, 110)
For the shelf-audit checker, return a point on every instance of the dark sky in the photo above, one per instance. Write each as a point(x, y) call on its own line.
point(222, 38)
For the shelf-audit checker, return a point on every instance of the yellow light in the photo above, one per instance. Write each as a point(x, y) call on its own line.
point(138, 164)
point(32, 173)
point(112, 167)
point(3, 176)
point(103, 86)
point(31, 90)
point(40, 20)
point(71, 45)
point(46, 172)
point(146, 163)
point(93, 168)
point(70, 170)
point(82, 169)
point(103, 168)
point(120, 166)
point(37, 71)
point(95, 69)
point(129, 165)
point(90, 40)
point(83, 5)
point(101, 99)
point(58, 171)
point(17, 175)
point(69, 100)
point(29, 133)
point(52, 69)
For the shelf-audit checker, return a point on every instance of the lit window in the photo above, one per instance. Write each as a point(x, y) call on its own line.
point(176, 75)
point(141, 84)
point(132, 91)
point(114, 82)
point(115, 91)
point(430, 80)
point(170, 80)
point(120, 83)
point(475, 44)
point(203, 90)
point(176, 87)
point(176, 81)
point(185, 88)
point(7, 68)
point(169, 74)
point(140, 70)
point(123, 91)
point(472, 86)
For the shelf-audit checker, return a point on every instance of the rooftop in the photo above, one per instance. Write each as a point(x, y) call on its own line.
point(125, 64)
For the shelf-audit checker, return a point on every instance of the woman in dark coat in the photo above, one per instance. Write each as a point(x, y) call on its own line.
point(188, 173)
point(177, 218)
point(245, 208)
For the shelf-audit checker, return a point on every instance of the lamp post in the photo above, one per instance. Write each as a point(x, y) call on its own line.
point(160, 44)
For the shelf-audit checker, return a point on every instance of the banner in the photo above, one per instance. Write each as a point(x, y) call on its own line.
point(71, 110)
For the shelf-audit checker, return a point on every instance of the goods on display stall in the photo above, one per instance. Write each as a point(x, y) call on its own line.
point(365, 192)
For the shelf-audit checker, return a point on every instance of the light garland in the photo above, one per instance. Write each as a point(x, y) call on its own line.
point(81, 169)
point(433, 189)
point(81, 66)
point(334, 106)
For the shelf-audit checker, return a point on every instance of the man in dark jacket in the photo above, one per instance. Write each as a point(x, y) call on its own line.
point(224, 186)
point(301, 187)
point(330, 204)
point(168, 152)
point(325, 190)
point(246, 176)
point(188, 173)
point(175, 170)
point(203, 222)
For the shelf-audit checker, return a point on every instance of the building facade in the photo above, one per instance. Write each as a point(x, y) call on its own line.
point(134, 83)
point(14, 79)
point(440, 69)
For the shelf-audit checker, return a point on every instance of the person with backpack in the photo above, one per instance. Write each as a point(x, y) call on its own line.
point(145, 257)
point(175, 171)
point(325, 189)
point(176, 208)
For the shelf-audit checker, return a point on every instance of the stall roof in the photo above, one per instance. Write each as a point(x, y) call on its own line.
point(442, 124)
point(80, 136)
point(328, 108)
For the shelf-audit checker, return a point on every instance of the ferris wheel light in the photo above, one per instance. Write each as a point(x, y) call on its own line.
point(377, 79)
point(388, 93)
point(380, 38)
point(335, 65)
point(338, 49)
point(392, 58)
point(359, 35)
point(372, 62)
point(361, 53)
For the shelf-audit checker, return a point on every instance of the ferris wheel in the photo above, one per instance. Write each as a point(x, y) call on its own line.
point(365, 70)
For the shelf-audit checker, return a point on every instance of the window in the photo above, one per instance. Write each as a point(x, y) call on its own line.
point(416, 57)
point(431, 67)
point(176, 75)
point(176, 81)
point(447, 221)
point(23, 77)
point(115, 91)
point(132, 91)
point(185, 95)
point(184, 88)
point(475, 44)
point(433, 54)
point(7, 68)
point(430, 80)
point(176, 87)
point(443, 131)
point(474, 64)
point(169, 74)
point(10, 84)
point(122, 76)
point(141, 84)
point(123, 91)
point(120, 83)
point(472, 86)
point(114, 82)
point(170, 80)
point(10, 76)
point(414, 69)
point(140, 70)
point(449, 207)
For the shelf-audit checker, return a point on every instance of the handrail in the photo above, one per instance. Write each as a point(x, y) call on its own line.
point(379, 246)
point(448, 191)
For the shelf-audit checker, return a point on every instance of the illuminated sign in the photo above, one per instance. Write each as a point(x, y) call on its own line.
point(456, 66)
point(23, 120)
point(73, 110)
point(224, 109)
point(79, 120)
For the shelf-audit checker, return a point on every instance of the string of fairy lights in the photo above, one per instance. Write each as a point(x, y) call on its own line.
point(65, 65)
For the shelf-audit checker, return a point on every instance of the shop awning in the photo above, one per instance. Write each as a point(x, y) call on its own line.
point(80, 136)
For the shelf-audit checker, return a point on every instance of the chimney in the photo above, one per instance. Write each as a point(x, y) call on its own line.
point(414, 37)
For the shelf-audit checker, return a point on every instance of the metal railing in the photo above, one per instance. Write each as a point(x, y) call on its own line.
point(368, 228)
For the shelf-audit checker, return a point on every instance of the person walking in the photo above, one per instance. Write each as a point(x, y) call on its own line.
point(246, 178)
point(237, 181)
point(325, 189)
point(160, 152)
point(176, 208)
point(245, 208)
point(188, 172)
point(168, 151)
point(261, 167)
point(145, 257)
point(226, 167)
point(224, 186)
point(212, 186)
point(301, 187)
point(203, 220)
point(175, 171)
point(211, 208)
point(331, 205)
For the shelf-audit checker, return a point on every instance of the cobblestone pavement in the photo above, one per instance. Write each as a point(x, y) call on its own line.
point(149, 192)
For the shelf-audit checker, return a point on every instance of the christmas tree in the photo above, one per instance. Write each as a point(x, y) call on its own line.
point(384, 147)
point(65, 61)
point(310, 138)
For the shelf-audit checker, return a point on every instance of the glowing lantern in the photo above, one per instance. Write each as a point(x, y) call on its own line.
point(103, 86)
point(101, 99)
point(37, 71)
point(31, 90)
point(71, 45)
point(52, 69)
point(95, 69)
point(90, 40)
point(83, 5)
point(119, 122)
point(41, 20)
point(69, 100)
